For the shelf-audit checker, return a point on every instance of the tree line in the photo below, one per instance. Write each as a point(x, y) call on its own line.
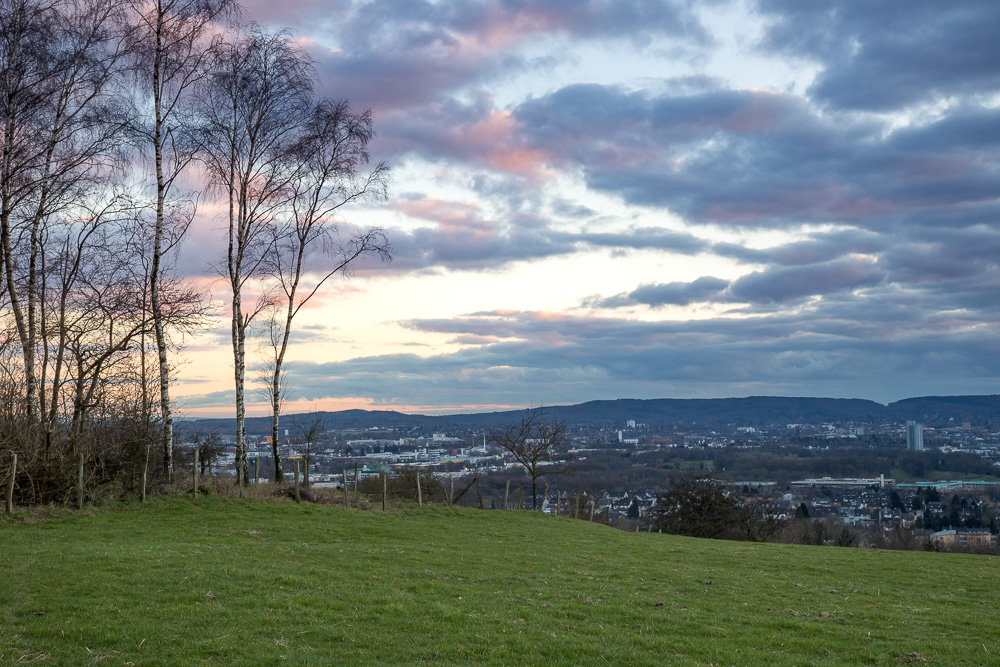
point(119, 121)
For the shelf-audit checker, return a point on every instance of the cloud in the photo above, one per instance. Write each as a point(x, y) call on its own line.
point(703, 289)
point(890, 55)
point(476, 134)
point(394, 54)
point(819, 247)
point(763, 158)
point(779, 285)
point(532, 356)
point(861, 207)
point(774, 285)
point(462, 235)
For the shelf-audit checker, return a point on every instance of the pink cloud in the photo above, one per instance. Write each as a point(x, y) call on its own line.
point(764, 110)
point(446, 213)
point(829, 202)
point(494, 140)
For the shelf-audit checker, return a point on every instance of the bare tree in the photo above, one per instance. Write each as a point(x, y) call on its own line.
point(332, 152)
point(62, 130)
point(92, 314)
point(174, 40)
point(256, 99)
point(533, 442)
point(310, 427)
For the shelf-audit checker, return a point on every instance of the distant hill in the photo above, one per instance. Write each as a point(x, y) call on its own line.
point(940, 410)
point(680, 413)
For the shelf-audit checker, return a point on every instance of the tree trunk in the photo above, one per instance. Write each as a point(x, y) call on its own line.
point(279, 360)
point(275, 416)
point(239, 369)
point(167, 435)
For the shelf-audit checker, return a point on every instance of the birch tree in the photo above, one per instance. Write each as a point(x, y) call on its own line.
point(333, 172)
point(174, 46)
point(255, 101)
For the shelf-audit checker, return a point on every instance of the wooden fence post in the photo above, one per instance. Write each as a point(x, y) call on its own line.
point(10, 483)
point(558, 503)
point(592, 503)
point(145, 469)
point(295, 470)
point(479, 494)
point(576, 510)
point(385, 489)
point(256, 471)
point(451, 490)
point(346, 500)
point(79, 486)
point(194, 473)
point(520, 495)
point(506, 493)
point(420, 495)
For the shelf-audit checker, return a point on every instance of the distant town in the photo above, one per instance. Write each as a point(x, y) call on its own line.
point(876, 477)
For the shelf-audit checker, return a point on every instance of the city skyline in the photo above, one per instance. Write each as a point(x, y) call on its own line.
point(649, 199)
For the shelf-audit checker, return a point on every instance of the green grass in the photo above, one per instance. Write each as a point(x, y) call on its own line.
point(252, 582)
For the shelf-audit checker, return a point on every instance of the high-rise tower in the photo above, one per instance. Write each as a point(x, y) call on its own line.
point(914, 436)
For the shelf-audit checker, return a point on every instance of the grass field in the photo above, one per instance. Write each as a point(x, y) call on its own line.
point(253, 582)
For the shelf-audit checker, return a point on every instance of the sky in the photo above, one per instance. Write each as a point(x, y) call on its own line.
point(599, 199)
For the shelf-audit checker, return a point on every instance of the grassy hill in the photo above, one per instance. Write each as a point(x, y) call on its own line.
point(251, 582)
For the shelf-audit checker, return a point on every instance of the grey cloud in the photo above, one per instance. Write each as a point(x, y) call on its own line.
point(400, 79)
point(744, 158)
point(820, 247)
point(393, 54)
point(682, 294)
point(774, 285)
point(703, 289)
point(885, 55)
point(788, 284)
point(576, 111)
point(960, 261)
point(826, 247)
point(696, 116)
point(830, 352)
point(967, 129)
point(640, 238)
point(462, 237)
point(429, 248)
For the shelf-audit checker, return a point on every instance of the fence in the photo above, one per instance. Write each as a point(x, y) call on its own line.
point(91, 481)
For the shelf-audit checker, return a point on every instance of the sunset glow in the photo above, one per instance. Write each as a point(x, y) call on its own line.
point(648, 199)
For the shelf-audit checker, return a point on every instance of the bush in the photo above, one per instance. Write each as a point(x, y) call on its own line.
point(702, 506)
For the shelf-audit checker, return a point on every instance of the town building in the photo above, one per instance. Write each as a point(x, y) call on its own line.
point(914, 436)
point(964, 539)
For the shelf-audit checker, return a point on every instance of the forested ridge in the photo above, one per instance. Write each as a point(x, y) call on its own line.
point(752, 411)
